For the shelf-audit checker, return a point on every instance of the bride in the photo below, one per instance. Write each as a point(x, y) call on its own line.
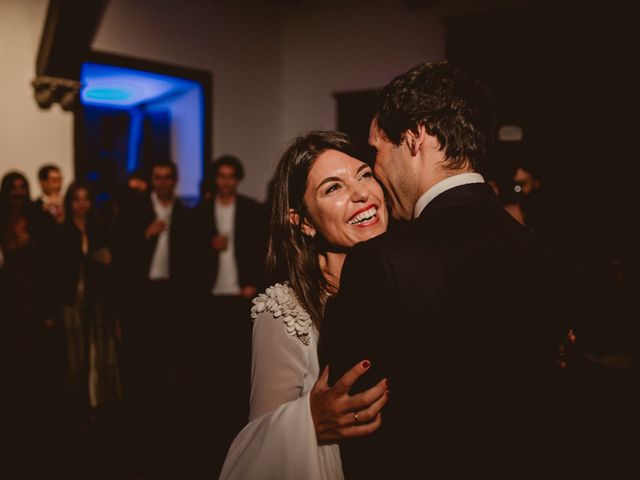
point(325, 200)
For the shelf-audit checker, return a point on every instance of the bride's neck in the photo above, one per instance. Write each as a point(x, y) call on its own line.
point(331, 265)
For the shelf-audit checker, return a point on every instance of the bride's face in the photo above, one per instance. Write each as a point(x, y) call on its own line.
point(344, 200)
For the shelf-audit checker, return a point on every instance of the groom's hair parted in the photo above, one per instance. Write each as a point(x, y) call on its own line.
point(451, 107)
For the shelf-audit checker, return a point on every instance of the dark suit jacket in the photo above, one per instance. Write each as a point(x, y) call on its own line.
point(456, 309)
point(133, 252)
point(249, 243)
point(28, 273)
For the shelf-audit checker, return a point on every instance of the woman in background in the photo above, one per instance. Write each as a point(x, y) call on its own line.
point(26, 304)
point(85, 290)
point(29, 343)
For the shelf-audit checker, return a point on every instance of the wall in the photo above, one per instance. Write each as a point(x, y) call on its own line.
point(335, 46)
point(274, 68)
point(238, 42)
point(29, 136)
point(186, 138)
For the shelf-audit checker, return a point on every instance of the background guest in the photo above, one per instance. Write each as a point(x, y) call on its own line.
point(29, 343)
point(85, 281)
point(153, 248)
point(230, 230)
point(50, 201)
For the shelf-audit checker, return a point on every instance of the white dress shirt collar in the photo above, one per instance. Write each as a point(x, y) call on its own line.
point(444, 185)
point(159, 206)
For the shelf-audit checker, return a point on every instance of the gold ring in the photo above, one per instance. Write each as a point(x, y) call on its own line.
point(355, 417)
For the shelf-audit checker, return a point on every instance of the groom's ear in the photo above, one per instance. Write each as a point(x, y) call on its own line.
point(307, 228)
point(418, 139)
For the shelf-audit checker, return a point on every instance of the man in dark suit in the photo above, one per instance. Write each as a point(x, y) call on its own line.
point(231, 234)
point(152, 255)
point(50, 178)
point(231, 248)
point(455, 306)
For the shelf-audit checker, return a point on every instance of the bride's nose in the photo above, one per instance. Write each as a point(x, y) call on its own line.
point(359, 193)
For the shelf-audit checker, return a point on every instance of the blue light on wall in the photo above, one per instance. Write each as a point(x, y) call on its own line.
point(98, 94)
point(141, 93)
point(109, 86)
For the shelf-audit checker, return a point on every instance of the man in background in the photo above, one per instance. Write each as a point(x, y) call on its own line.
point(51, 201)
point(152, 250)
point(232, 234)
point(231, 237)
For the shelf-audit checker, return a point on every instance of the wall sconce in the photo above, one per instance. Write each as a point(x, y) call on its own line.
point(50, 90)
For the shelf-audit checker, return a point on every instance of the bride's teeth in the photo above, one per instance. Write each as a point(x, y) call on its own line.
point(363, 216)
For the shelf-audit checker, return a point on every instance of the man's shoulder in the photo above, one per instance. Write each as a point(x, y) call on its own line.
point(250, 210)
point(144, 202)
point(248, 201)
point(394, 240)
point(141, 211)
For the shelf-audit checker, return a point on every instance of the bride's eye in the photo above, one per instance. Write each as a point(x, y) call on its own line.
point(332, 188)
point(367, 174)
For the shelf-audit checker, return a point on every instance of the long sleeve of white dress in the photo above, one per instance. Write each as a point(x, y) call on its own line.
point(280, 441)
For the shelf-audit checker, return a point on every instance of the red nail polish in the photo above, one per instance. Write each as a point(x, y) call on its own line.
point(366, 364)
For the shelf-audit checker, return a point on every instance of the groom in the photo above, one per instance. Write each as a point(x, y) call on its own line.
point(456, 307)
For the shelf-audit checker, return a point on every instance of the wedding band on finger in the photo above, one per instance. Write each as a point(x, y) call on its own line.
point(355, 418)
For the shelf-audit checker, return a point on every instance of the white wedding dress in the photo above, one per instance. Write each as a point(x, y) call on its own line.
point(280, 440)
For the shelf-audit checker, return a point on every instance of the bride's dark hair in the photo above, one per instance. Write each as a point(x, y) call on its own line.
point(292, 254)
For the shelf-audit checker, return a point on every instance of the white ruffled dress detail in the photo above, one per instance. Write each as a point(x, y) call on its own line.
point(280, 300)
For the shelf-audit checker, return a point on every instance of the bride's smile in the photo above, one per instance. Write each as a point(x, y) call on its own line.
point(365, 217)
point(344, 200)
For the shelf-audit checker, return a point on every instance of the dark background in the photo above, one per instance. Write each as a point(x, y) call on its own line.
point(567, 73)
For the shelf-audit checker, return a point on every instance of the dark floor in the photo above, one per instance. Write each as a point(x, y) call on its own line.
point(185, 439)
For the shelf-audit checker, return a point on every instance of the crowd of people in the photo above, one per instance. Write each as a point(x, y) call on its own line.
point(458, 321)
point(139, 301)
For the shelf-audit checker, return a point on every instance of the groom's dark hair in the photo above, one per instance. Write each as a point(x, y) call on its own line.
point(451, 107)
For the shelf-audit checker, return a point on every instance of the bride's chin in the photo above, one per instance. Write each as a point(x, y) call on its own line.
point(370, 233)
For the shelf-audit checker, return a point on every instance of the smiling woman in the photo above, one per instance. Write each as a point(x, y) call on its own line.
point(325, 201)
point(320, 186)
point(344, 202)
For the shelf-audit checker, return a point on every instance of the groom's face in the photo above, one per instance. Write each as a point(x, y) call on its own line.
point(392, 169)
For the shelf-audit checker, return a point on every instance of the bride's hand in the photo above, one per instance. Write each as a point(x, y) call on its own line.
point(338, 415)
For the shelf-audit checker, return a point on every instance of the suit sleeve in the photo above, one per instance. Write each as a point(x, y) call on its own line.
point(357, 319)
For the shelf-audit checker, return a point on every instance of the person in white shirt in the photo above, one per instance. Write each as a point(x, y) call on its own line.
point(153, 252)
point(230, 230)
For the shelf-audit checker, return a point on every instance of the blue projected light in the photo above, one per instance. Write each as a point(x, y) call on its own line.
point(109, 94)
point(142, 94)
point(109, 86)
